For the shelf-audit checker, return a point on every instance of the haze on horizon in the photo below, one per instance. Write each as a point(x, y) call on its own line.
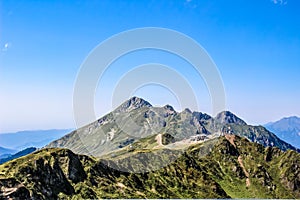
point(255, 45)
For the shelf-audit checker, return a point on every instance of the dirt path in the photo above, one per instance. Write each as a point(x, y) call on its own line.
point(158, 140)
point(245, 171)
point(231, 139)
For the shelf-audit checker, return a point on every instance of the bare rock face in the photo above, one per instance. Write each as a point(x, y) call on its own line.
point(133, 103)
point(71, 162)
point(227, 117)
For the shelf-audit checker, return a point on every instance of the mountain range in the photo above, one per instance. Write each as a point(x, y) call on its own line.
point(288, 129)
point(141, 151)
point(137, 118)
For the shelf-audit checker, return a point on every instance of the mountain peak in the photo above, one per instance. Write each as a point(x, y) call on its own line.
point(286, 123)
point(169, 107)
point(287, 128)
point(227, 117)
point(133, 103)
point(187, 110)
point(291, 119)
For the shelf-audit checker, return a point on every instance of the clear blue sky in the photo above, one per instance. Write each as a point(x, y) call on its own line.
point(255, 44)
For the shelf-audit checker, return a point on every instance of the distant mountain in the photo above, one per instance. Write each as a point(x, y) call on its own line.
point(5, 151)
point(137, 118)
point(233, 168)
point(288, 129)
point(17, 155)
point(37, 138)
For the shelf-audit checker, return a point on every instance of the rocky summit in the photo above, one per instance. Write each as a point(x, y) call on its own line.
point(227, 117)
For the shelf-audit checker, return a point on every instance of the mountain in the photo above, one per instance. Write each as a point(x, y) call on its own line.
point(6, 152)
point(288, 129)
point(37, 138)
point(137, 118)
point(233, 167)
point(18, 154)
point(141, 151)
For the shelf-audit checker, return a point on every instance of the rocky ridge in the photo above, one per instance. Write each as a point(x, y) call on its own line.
point(137, 118)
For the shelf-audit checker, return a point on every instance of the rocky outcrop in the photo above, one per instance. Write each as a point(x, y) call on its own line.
point(12, 189)
point(49, 172)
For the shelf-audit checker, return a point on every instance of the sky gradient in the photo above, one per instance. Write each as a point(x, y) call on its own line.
point(255, 45)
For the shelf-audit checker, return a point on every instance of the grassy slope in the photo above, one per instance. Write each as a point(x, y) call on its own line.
point(272, 173)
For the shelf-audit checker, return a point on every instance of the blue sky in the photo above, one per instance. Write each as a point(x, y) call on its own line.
point(255, 45)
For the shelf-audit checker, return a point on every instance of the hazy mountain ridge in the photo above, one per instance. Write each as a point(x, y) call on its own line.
point(18, 154)
point(233, 168)
point(6, 151)
point(137, 118)
point(25, 139)
point(287, 128)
